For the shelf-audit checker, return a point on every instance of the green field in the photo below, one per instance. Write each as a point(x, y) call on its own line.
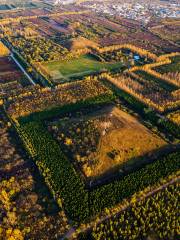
point(173, 67)
point(79, 67)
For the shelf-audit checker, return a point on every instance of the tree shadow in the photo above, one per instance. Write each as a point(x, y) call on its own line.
point(132, 165)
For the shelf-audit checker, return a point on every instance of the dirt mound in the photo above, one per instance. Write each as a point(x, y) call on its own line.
point(80, 43)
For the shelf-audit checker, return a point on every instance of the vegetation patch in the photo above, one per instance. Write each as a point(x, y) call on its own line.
point(61, 95)
point(4, 51)
point(174, 117)
point(146, 218)
point(173, 67)
point(103, 140)
point(68, 186)
point(166, 86)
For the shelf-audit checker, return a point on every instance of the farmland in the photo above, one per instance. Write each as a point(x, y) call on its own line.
point(89, 121)
point(10, 71)
point(168, 30)
point(104, 140)
point(11, 77)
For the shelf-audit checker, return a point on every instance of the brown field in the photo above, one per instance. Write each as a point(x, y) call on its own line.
point(7, 65)
point(103, 140)
point(8, 70)
point(12, 80)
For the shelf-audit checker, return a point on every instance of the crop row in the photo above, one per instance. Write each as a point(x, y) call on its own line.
point(146, 91)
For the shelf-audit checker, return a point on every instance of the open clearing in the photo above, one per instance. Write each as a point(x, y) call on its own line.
point(108, 138)
point(86, 64)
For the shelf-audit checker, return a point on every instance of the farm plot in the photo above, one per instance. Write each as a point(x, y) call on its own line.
point(140, 38)
point(8, 70)
point(103, 140)
point(169, 30)
point(11, 77)
point(84, 65)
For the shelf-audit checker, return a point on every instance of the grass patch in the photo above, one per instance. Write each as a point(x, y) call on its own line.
point(85, 64)
point(173, 67)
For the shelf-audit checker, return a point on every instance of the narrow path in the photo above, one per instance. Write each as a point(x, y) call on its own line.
point(23, 70)
point(72, 230)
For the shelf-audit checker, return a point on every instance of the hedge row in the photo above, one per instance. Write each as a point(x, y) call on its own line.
point(80, 203)
point(111, 194)
point(57, 170)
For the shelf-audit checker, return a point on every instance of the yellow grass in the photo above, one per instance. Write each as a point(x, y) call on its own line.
point(128, 137)
point(4, 51)
point(105, 140)
point(175, 117)
point(80, 43)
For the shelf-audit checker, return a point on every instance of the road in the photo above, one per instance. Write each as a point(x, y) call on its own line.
point(23, 70)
